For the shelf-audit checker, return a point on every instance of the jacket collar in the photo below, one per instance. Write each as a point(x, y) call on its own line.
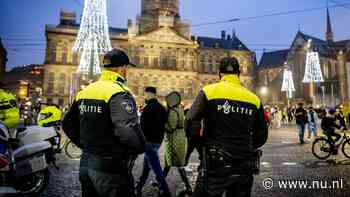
point(231, 78)
point(107, 75)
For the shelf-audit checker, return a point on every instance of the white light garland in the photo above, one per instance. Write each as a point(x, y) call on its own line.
point(288, 84)
point(313, 72)
point(93, 36)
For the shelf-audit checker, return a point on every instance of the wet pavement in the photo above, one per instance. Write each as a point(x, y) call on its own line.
point(287, 169)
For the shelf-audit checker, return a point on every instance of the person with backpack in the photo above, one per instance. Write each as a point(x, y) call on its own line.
point(329, 125)
point(175, 139)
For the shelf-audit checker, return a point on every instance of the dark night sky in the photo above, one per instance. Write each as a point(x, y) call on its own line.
point(23, 21)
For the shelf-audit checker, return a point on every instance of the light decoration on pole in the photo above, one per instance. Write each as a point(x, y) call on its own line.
point(313, 72)
point(288, 84)
point(93, 37)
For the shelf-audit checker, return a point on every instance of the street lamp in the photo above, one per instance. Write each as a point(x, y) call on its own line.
point(263, 90)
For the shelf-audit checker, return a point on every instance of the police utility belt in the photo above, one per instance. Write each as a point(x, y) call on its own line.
point(219, 158)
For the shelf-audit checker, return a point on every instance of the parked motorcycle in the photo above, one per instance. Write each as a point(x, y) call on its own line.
point(28, 153)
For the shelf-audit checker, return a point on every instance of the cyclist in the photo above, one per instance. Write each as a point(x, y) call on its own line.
point(329, 125)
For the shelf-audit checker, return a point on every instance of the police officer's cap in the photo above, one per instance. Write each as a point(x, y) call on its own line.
point(116, 58)
point(151, 90)
point(229, 65)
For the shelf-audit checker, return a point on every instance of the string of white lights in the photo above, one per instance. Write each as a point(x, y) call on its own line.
point(288, 84)
point(313, 72)
point(93, 36)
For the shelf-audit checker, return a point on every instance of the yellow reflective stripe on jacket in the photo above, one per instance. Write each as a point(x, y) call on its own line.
point(230, 88)
point(100, 90)
point(104, 88)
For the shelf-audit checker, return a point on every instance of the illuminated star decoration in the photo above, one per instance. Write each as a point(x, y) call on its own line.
point(313, 72)
point(93, 37)
point(288, 84)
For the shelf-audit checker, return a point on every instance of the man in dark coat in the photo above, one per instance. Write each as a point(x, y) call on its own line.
point(301, 120)
point(153, 119)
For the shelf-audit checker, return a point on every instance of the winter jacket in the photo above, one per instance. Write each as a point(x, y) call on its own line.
point(153, 119)
point(103, 119)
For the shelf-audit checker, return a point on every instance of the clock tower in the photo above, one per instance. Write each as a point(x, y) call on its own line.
point(161, 13)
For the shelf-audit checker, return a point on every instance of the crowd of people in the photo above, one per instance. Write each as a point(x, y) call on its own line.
point(306, 118)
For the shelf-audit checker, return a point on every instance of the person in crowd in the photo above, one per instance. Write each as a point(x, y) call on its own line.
point(234, 128)
point(153, 119)
point(301, 120)
point(284, 117)
point(312, 122)
point(103, 122)
point(9, 118)
point(328, 125)
point(175, 139)
point(340, 117)
point(9, 111)
point(279, 117)
point(267, 117)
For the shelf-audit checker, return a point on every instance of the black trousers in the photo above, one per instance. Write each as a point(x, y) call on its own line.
point(330, 134)
point(239, 186)
point(194, 143)
point(97, 181)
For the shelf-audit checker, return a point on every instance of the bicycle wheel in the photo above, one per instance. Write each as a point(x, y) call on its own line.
point(346, 148)
point(321, 148)
point(72, 151)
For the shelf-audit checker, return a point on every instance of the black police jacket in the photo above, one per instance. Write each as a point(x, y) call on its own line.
point(103, 120)
point(233, 118)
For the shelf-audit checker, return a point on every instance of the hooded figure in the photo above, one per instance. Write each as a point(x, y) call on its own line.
point(175, 135)
point(175, 139)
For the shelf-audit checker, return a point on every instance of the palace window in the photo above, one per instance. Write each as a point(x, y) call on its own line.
point(75, 59)
point(53, 55)
point(172, 62)
point(201, 68)
point(145, 62)
point(61, 102)
point(62, 80)
point(64, 54)
point(51, 81)
point(164, 62)
point(156, 62)
point(137, 60)
point(49, 101)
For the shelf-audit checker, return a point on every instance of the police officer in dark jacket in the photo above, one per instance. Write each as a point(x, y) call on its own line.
point(234, 127)
point(103, 122)
point(153, 119)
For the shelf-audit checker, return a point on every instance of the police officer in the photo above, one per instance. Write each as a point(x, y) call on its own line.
point(103, 122)
point(9, 112)
point(234, 127)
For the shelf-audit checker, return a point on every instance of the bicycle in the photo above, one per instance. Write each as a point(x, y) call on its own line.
point(322, 148)
point(71, 150)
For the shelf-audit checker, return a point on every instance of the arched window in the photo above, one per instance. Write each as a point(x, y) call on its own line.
point(64, 54)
